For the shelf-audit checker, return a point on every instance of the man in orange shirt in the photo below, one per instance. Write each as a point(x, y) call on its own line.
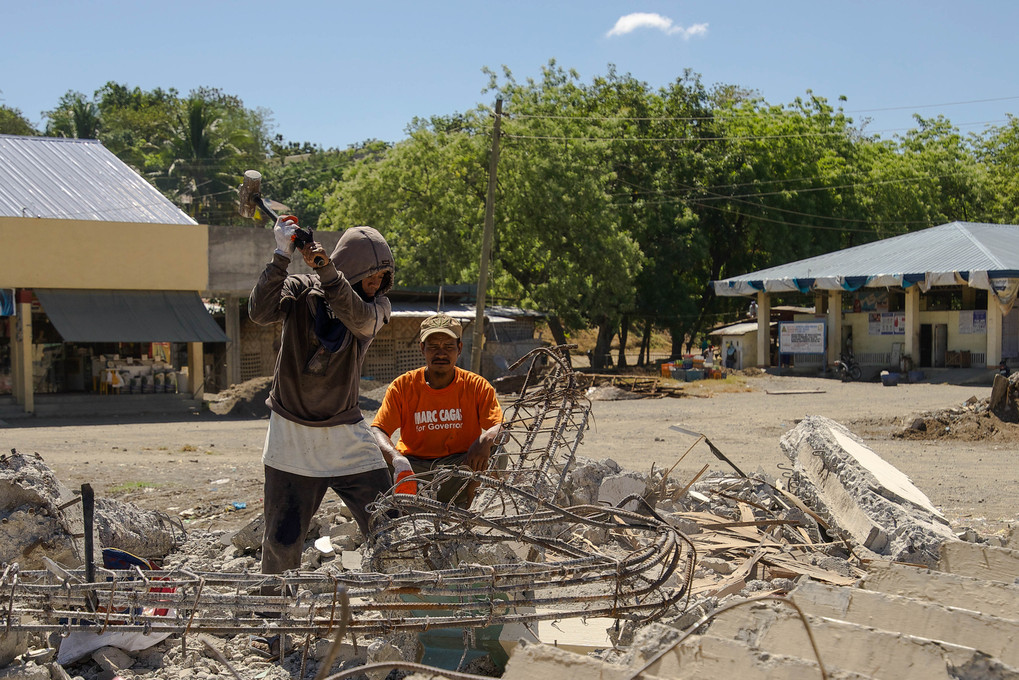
point(446, 416)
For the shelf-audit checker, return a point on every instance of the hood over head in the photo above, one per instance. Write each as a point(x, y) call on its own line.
point(361, 252)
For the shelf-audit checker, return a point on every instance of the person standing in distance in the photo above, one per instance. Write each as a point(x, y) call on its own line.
point(317, 438)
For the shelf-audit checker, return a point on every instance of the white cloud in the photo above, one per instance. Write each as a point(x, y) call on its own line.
point(631, 22)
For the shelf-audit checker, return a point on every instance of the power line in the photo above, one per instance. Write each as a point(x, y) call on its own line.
point(755, 112)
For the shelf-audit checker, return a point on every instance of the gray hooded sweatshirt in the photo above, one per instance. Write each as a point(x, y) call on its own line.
point(318, 368)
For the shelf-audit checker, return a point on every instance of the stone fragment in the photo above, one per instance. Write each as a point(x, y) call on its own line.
point(614, 488)
point(112, 659)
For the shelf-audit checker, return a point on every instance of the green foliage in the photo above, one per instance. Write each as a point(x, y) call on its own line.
point(13, 122)
point(615, 200)
point(302, 176)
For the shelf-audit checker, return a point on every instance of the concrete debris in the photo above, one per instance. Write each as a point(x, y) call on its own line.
point(865, 500)
point(547, 550)
point(583, 483)
point(39, 516)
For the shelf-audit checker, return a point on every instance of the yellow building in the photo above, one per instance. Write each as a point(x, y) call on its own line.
point(95, 260)
point(934, 298)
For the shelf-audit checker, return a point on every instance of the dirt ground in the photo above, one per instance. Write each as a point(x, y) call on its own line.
point(206, 469)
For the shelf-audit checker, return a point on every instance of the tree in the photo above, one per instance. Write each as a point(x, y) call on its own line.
point(13, 122)
point(302, 180)
point(75, 116)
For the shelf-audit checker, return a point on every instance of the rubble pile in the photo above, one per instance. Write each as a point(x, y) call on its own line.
point(554, 545)
point(994, 417)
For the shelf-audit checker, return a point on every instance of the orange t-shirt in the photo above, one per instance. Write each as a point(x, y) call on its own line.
point(437, 423)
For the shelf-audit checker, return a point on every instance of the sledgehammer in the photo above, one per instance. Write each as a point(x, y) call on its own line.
point(249, 198)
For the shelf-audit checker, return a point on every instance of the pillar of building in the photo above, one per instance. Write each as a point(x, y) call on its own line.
point(995, 321)
point(24, 382)
point(911, 341)
point(233, 345)
point(834, 323)
point(196, 370)
point(763, 329)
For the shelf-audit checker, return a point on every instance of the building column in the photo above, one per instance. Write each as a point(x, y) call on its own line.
point(994, 324)
point(763, 329)
point(911, 341)
point(233, 345)
point(196, 370)
point(24, 380)
point(834, 350)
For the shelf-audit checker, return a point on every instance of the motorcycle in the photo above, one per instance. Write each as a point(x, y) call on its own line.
point(847, 368)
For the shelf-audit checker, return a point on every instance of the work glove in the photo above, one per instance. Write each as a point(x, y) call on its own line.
point(401, 468)
point(284, 231)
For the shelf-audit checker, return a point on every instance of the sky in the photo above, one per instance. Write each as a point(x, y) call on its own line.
point(338, 73)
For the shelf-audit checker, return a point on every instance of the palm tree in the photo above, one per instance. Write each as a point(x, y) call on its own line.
point(204, 169)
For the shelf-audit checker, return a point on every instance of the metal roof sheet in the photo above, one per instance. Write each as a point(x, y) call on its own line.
point(76, 179)
point(940, 251)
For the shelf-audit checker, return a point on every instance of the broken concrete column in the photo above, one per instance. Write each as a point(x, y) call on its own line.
point(38, 515)
point(864, 498)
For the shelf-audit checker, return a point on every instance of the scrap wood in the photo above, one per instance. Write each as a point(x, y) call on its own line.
point(789, 563)
point(815, 391)
point(686, 488)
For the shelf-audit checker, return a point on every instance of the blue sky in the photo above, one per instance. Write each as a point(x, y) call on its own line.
point(336, 73)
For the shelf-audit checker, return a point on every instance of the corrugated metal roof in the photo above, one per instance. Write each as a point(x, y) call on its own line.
point(76, 179)
point(934, 255)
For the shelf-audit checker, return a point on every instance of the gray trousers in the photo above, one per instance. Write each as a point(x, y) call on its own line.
point(292, 500)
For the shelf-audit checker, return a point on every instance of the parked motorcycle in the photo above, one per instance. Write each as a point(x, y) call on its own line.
point(847, 368)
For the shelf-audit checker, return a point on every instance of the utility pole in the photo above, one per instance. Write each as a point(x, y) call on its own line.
point(486, 246)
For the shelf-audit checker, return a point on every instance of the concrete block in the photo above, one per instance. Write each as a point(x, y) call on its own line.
point(992, 635)
point(980, 561)
point(112, 659)
point(614, 488)
point(867, 500)
point(710, 656)
point(545, 662)
point(951, 590)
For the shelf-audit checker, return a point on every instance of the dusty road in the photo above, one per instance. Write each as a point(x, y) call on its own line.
point(200, 468)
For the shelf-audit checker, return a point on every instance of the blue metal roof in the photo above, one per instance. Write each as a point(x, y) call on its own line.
point(942, 255)
point(76, 179)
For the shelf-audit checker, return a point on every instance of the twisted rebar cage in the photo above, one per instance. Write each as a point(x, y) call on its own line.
point(517, 555)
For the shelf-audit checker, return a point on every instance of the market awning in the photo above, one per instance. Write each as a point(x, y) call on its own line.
point(129, 316)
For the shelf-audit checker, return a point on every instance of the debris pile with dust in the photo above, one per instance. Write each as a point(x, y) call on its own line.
point(995, 417)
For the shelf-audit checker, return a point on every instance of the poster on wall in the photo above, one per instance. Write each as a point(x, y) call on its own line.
point(6, 302)
point(801, 338)
point(972, 321)
point(886, 323)
point(161, 352)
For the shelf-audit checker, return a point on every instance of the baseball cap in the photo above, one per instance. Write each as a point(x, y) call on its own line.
point(440, 323)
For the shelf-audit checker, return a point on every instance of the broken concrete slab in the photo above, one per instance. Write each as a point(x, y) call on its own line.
point(709, 656)
point(864, 498)
point(980, 561)
point(841, 644)
point(951, 590)
point(992, 635)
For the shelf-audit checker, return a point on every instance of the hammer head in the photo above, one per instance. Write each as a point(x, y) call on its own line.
point(250, 194)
